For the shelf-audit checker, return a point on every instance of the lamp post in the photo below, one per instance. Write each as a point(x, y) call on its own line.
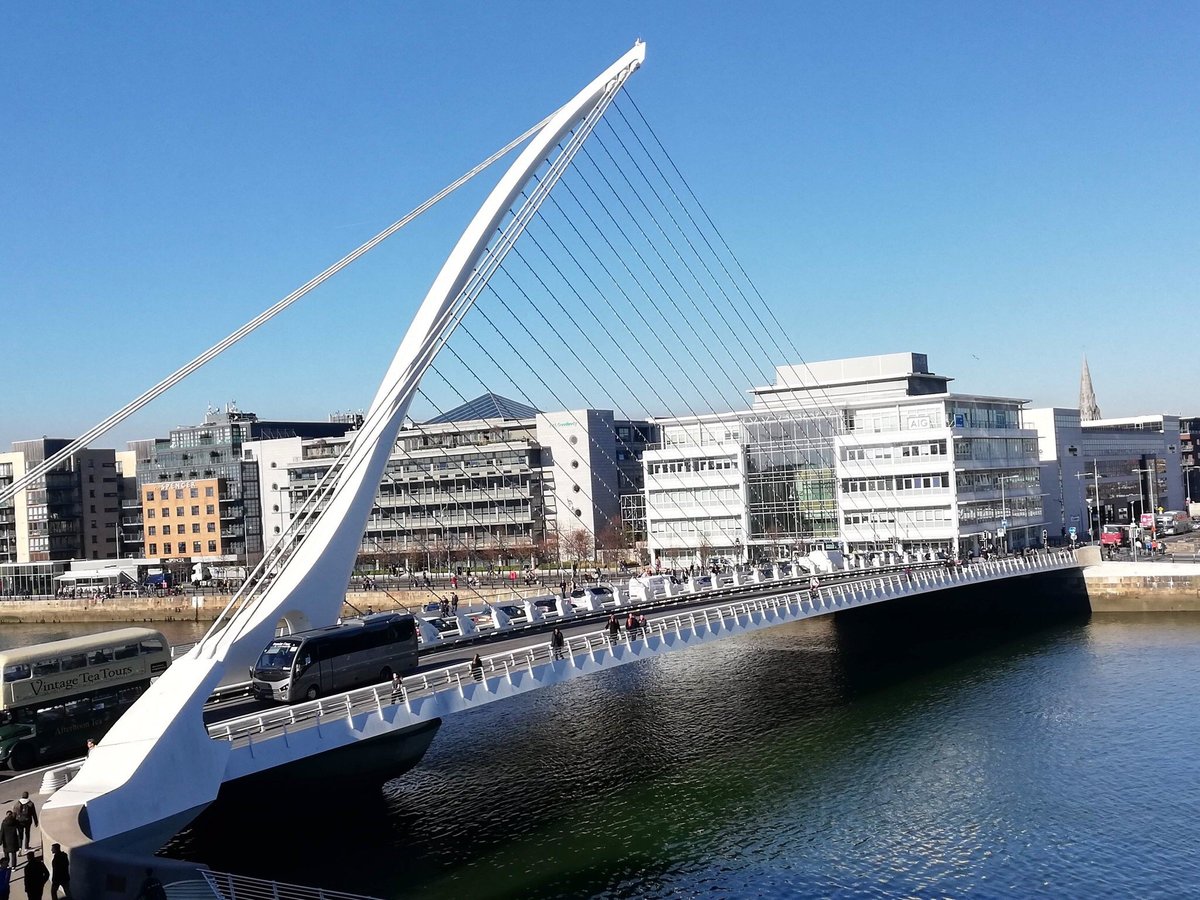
point(1151, 473)
point(1004, 509)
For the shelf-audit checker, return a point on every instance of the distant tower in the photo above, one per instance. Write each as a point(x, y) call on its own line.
point(1088, 410)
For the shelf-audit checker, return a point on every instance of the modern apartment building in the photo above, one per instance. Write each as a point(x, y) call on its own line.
point(198, 497)
point(71, 512)
point(492, 481)
point(1106, 471)
point(870, 453)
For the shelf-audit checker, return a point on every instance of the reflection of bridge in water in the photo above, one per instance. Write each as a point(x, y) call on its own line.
point(162, 764)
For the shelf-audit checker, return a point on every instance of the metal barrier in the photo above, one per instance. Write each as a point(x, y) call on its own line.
point(226, 886)
point(829, 597)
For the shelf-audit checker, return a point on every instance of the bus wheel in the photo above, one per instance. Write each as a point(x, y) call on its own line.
point(312, 693)
point(21, 757)
point(385, 674)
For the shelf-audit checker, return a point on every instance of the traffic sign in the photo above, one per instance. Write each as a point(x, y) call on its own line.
point(1071, 531)
point(1004, 523)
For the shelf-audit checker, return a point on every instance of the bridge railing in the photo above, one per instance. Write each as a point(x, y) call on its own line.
point(247, 729)
point(226, 886)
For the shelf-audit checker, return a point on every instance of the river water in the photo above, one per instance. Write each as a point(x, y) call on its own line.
point(794, 762)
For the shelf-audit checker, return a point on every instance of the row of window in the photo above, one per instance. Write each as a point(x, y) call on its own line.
point(931, 481)
point(52, 665)
point(193, 492)
point(697, 526)
point(210, 509)
point(906, 451)
point(691, 465)
point(698, 497)
point(902, 517)
point(995, 448)
point(181, 547)
point(152, 531)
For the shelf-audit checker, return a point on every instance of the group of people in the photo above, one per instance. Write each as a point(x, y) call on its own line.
point(16, 832)
point(635, 625)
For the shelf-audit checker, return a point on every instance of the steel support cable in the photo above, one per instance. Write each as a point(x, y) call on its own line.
point(524, 394)
point(616, 496)
point(737, 263)
point(712, 302)
point(508, 235)
point(599, 352)
point(224, 344)
point(666, 208)
point(662, 287)
point(633, 334)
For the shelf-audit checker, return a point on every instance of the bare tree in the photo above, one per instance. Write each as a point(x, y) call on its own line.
point(577, 544)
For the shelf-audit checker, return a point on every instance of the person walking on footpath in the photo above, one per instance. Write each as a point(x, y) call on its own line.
point(477, 668)
point(557, 642)
point(5, 878)
point(36, 876)
point(10, 839)
point(60, 873)
point(614, 627)
point(26, 816)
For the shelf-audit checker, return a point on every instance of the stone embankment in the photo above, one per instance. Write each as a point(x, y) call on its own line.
point(187, 608)
point(1157, 586)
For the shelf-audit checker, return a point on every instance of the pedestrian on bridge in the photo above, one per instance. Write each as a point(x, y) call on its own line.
point(5, 878)
point(60, 873)
point(557, 643)
point(10, 838)
point(614, 627)
point(36, 876)
point(477, 668)
point(26, 815)
point(454, 604)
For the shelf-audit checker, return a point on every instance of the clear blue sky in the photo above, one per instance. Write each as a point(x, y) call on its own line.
point(1001, 186)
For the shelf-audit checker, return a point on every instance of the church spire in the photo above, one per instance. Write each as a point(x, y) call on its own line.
point(1088, 410)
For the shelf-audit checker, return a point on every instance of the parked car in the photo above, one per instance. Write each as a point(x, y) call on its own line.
point(600, 592)
point(442, 625)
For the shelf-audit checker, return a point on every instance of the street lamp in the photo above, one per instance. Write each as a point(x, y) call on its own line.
point(1151, 473)
point(1004, 509)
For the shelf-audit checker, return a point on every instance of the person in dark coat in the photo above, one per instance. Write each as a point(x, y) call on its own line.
point(36, 876)
point(5, 878)
point(557, 642)
point(26, 815)
point(10, 838)
point(60, 873)
point(477, 668)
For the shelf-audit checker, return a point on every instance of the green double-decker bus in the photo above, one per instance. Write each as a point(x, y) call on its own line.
point(54, 696)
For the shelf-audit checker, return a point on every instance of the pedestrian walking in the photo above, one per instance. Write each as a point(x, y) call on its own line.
point(5, 878)
point(557, 643)
point(60, 872)
point(614, 627)
point(36, 876)
point(10, 838)
point(454, 603)
point(26, 815)
point(631, 624)
point(477, 668)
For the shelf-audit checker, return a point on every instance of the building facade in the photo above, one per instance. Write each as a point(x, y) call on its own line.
point(1106, 471)
point(197, 477)
point(492, 482)
point(871, 454)
point(71, 512)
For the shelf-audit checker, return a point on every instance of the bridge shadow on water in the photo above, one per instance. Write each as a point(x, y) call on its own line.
point(629, 781)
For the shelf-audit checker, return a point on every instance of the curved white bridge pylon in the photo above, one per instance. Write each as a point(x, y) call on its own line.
point(158, 767)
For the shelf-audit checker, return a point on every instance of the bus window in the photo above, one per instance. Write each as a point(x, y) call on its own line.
point(128, 651)
point(127, 695)
point(45, 667)
point(17, 672)
point(100, 657)
point(152, 645)
point(74, 661)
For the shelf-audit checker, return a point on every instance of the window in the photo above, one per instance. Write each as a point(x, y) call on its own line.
point(154, 549)
point(178, 493)
point(210, 510)
point(211, 527)
point(152, 531)
point(149, 513)
point(195, 528)
point(208, 491)
point(195, 510)
point(179, 510)
point(195, 546)
point(166, 529)
point(212, 546)
point(166, 512)
point(149, 495)
point(194, 492)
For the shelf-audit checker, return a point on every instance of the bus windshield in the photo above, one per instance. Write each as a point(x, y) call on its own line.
point(278, 655)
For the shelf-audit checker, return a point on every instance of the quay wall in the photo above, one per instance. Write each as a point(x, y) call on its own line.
point(181, 608)
point(1143, 587)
